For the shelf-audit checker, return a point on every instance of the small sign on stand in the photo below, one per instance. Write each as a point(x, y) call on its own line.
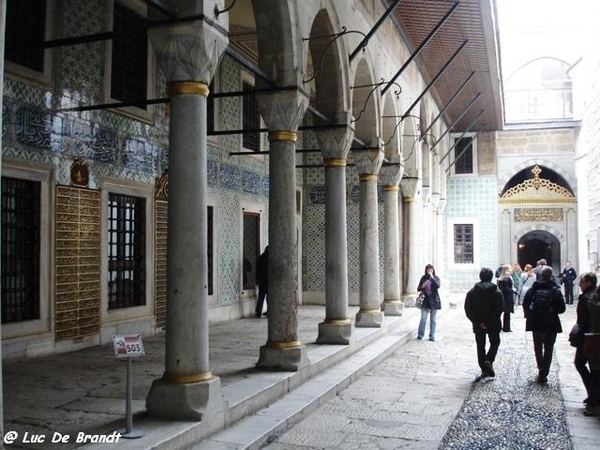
point(127, 347)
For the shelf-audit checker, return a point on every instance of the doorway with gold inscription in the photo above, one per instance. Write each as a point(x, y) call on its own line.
point(538, 218)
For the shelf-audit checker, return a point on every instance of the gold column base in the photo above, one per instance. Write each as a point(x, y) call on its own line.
point(186, 379)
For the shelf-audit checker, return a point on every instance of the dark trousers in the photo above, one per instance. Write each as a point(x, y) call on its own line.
point(594, 397)
point(581, 366)
point(480, 340)
point(569, 293)
point(543, 346)
point(262, 294)
point(506, 321)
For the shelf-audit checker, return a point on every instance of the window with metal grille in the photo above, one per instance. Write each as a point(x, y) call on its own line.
point(25, 33)
point(129, 64)
point(463, 243)
point(463, 154)
point(251, 120)
point(20, 250)
point(126, 251)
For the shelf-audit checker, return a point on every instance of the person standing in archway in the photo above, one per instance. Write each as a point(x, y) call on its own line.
point(567, 278)
point(505, 284)
point(262, 277)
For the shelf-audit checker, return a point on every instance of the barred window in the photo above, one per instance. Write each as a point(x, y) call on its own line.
point(463, 244)
point(463, 156)
point(126, 251)
point(20, 250)
point(129, 64)
point(251, 120)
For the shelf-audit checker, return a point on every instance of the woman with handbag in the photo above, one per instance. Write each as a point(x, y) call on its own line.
point(429, 285)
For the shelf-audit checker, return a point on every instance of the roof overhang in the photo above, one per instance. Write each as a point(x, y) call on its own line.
point(476, 22)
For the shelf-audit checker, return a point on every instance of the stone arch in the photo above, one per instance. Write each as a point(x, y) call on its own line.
point(330, 72)
point(364, 105)
point(278, 43)
point(391, 131)
point(410, 150)
point(426, 160)
point(539, 241)
point(531, 163)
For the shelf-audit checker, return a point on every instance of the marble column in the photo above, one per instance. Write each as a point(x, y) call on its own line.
point(505, 237)
point(392, 303)
point(412, 267)
point(282, 112)
point(189, 55)
point(337, 327)
point(368, 164)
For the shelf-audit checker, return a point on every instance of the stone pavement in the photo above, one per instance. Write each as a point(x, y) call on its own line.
point(84, 391)
point(424, 397)
point(385, 390)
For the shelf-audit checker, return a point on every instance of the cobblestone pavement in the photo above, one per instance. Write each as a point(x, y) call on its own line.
point(424, 397)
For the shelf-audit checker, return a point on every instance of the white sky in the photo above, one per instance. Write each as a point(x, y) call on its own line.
point(531, 29)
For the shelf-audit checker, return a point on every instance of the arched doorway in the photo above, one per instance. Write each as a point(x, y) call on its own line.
point(536, 245)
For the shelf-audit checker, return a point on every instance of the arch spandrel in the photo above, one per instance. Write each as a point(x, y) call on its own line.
point(537, 190)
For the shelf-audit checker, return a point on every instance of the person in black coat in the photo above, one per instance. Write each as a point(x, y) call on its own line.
point(484, 304)
point(567, 277)
point(543, 322)
point(505, 284)
point(429, 285)
point(587, 285)
point(262, 278)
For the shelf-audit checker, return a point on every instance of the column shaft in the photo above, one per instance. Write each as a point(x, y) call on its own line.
point(283, 351)
point(337, 328)
point(392, 303)
point(283, 285)
point(412, 260)
point(370, 314)
point(187, 266)
point(187, 390)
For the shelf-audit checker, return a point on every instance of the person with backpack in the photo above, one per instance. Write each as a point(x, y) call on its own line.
point(542, 305)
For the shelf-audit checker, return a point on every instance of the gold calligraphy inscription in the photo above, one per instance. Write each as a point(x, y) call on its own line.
point(539, 215)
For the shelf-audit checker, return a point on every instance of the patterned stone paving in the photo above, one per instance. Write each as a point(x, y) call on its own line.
point(424, 397)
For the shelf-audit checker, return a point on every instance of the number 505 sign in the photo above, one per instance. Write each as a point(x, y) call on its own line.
point(128, 346)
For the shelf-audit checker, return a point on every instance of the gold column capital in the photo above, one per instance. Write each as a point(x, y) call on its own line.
point(188, 88)
point(334, 162)
point(391, 188)
point(368, 177)
point(282, 135)
point(410, 199)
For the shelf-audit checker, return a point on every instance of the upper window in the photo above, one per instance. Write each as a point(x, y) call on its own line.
point(250, 117)
point(130, 60)
point(541, 90)
point(464, 155)
point(27, 27)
